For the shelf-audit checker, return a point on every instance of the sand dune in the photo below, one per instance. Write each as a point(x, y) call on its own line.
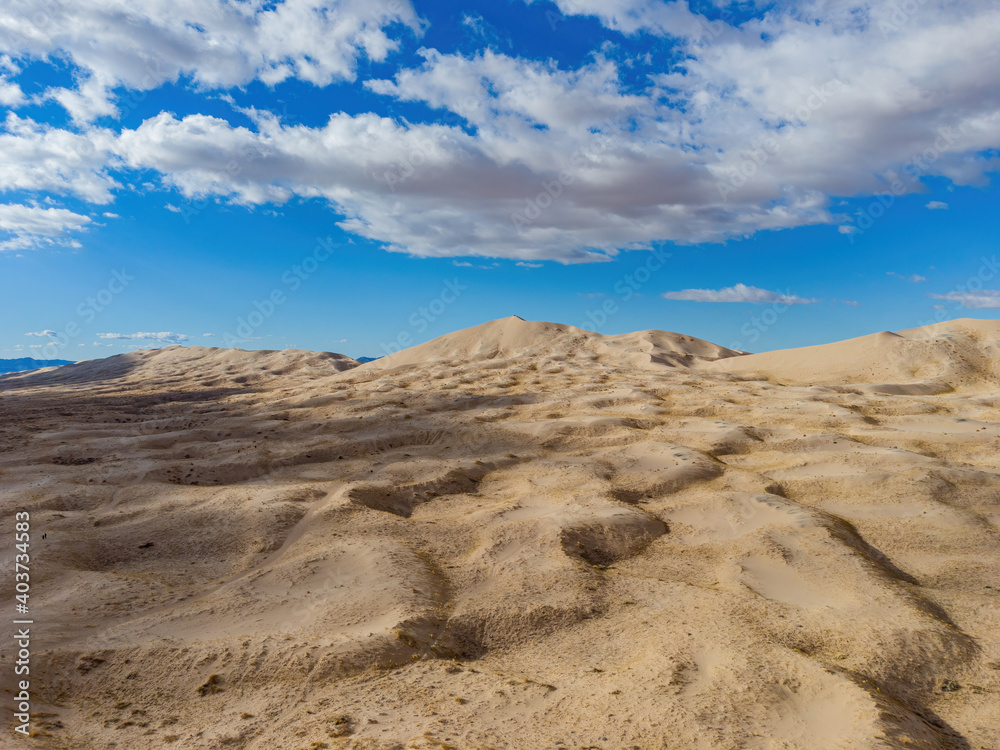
point(958, 354)
point(207, 367)
point(515, 338)
point(522, 535)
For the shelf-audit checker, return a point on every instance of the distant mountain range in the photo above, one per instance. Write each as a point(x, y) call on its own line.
point(27, 363)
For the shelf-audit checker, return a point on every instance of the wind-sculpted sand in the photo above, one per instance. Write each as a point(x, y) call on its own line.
point(522, 535)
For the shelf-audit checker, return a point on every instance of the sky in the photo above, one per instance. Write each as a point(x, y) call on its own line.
point(363, 175)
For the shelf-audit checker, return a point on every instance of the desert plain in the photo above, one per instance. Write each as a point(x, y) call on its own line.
point(520, 535)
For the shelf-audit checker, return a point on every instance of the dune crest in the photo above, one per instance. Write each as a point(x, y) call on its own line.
point(160, 368)
point(516, 338)
point(957, 354)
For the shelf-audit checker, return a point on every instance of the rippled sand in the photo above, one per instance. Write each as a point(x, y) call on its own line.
point(519, 536)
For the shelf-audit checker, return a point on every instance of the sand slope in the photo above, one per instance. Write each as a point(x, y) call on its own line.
point(538, 544)
point(956, 354)
point(515, 338)
point(192, 365)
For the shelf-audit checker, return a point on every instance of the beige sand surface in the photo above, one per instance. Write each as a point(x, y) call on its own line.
point(522, 535)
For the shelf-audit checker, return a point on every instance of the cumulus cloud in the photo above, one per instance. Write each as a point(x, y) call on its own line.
point(631, 16)
point(984, 299)
point(164, 337)
point(10, 93)
point(39, 157)
point(754, 129)
point(33, 226)
point(219, 44)
point(937, 205)
point(738, 293)
point(566, 164)
point(913, 278)
point(46, 334)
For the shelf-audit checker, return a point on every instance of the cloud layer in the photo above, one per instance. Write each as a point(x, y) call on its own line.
point(756, 129)
point(984, 299)
point(738, 293)
point(141, 45)
point(23, 227)
point(165, 337)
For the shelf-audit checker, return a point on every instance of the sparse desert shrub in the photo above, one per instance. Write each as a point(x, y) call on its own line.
point(212, 685)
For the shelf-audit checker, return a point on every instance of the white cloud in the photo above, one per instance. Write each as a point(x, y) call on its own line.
point(163, 337)
point(219, 44)
point(467, 193)
point(506, 96)
point(847, 229)
point(937, 205)
point(109, 215)
point(208, 335)
point(476, 23)
point(754, 129)
point(46, 334)
point(172, 208)
point(38, 157)
point(522, 264)
point(847, 108)
point(33, 226)
point(984, 299)
point(738, 293)
point(631, 16)
point(914, 278)
point(10, 93)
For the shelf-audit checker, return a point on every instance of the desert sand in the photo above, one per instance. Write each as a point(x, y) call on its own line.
point(520, 535)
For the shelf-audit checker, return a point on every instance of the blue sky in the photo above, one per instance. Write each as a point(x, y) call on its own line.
point(355, 176)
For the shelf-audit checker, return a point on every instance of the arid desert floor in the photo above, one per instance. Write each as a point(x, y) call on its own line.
point(521, 535)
